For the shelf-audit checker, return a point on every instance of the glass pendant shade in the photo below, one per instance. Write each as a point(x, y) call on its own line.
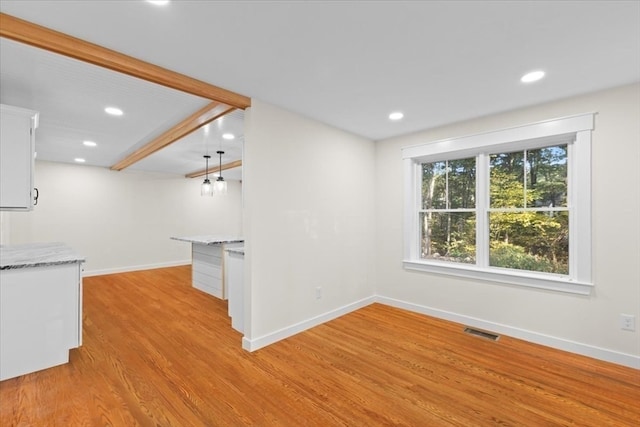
point(206, 189)
point(220, 186)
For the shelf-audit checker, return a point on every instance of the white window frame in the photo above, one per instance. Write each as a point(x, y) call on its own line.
point(575, 131)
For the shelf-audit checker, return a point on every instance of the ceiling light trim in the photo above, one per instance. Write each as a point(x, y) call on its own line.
point(533, 76)
point(114, 111)
point(396, 116)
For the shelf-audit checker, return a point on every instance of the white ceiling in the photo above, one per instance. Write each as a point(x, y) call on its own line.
point(345, 63)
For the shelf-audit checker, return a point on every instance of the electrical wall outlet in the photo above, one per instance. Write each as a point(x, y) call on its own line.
point(318, 292)
point(628, 322)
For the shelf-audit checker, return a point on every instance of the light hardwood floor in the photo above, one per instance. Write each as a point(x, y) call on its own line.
point(159, 353)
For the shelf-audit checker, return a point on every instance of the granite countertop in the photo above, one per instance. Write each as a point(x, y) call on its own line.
point(37, 255)
point(210, 239)
point(239, 250)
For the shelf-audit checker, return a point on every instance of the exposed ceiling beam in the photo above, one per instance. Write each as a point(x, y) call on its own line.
point(226, 166)
point(205, 115)
point(35, 35)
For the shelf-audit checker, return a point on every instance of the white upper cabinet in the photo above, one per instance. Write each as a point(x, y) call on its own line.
point(17, 151)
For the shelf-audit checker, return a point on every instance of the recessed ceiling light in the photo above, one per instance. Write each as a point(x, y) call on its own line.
point(396, 115)
point(229, 136)
point(89, 143)
point(79, 160)
point(533, 76)
point(159, 2)
point(113, 111)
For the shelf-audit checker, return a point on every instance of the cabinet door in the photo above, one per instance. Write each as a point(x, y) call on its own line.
point(16, 158)
point(39, 318)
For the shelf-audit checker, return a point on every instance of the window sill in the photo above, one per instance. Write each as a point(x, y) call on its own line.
point(531, 280)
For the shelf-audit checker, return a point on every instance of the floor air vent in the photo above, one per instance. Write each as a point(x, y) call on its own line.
point(482, 334)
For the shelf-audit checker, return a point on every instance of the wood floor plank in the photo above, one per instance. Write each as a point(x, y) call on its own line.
point(158, 352)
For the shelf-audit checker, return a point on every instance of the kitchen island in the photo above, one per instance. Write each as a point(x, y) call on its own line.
point(207, 262)
point(40, 306)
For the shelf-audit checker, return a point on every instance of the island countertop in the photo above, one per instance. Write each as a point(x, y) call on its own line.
point(210, 239)
point(37, 255)
point(239, 251)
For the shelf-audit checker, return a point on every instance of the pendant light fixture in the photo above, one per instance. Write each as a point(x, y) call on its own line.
point(220, 186)
point(206, 189)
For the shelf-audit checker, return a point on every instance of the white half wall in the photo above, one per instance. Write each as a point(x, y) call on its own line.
point(586, 321)
point(122, 221)
point(309, 221)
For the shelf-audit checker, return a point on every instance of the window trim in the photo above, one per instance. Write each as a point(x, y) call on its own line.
point(573, 129)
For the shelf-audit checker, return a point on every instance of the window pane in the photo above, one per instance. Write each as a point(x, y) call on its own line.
point(507, 180)
point(462, 183)
point(530, 178)
point(449, 184)
point(434, 185)
point(547, 176)
point(534, 241)
point(448, 236)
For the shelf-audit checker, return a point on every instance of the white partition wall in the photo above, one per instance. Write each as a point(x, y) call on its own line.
point(309, 223)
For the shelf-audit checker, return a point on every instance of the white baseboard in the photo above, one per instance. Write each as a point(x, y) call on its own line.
point(629, 360)
point(89, 273)
point(265, 340)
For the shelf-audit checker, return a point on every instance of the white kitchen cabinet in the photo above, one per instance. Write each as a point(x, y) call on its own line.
point(40, 317)
point(17, 151)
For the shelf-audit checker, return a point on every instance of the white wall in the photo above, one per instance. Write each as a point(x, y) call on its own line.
point(309, 222)
point(587, 325)
point(121, 220)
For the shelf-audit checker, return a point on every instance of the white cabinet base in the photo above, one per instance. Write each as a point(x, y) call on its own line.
point(40, 317)
point(208, 269)
point(234, 266)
